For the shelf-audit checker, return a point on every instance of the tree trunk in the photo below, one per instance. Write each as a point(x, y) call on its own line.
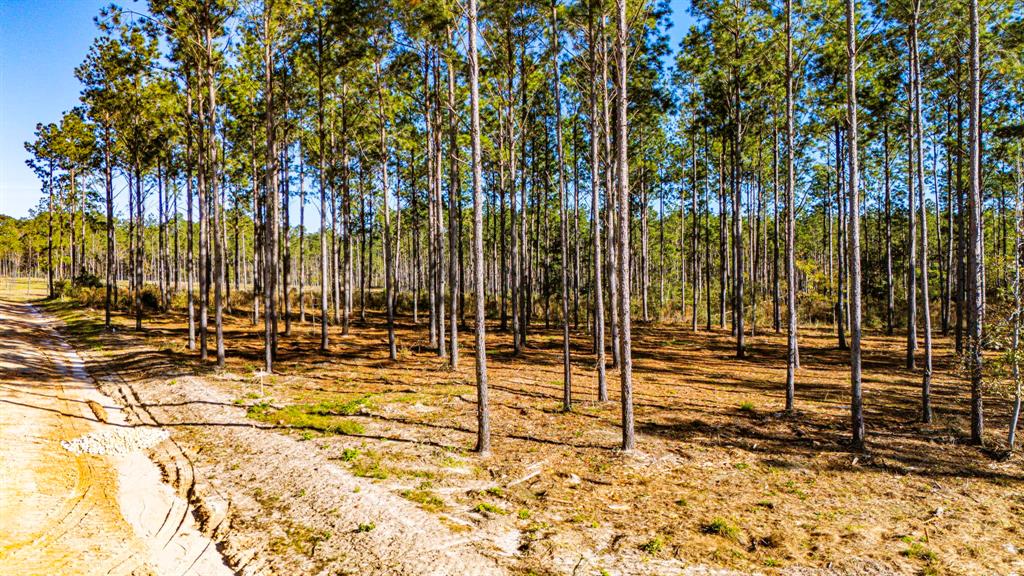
point(622, 173)
point(483, 444)
point(389, 264)
point(271, 216)
point(321, 176)
point(853, 193)
point(595, 215)
point(563, 215)
point(50, 209)
point(219, 231)
point(911, 227)
point(889, 288)
point(454, 216)
point(926, 382)
point(791, 322)
point(611, 200)
point(975, 308)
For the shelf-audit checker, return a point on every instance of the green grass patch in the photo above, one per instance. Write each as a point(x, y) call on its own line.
point(488, 507)
point(349, 454)
point(301, 538)
point(653, 546)
point(303, 416)
point(918, 551)
point(721, 527)
point(369, 465)
point(346, 408)
point(427, 500)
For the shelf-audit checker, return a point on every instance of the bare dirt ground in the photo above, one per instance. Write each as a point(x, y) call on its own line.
point(348, 463)
point(67, 513)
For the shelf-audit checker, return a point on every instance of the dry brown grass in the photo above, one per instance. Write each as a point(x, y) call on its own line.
point(722, 478)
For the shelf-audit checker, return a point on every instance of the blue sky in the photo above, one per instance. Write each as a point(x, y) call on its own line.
point(41, 43)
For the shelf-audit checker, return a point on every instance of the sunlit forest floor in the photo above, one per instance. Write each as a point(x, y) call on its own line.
point(722, 478)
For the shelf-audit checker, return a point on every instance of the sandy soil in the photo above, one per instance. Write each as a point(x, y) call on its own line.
point(65, 513)
point(348, 463)
point(272, 504)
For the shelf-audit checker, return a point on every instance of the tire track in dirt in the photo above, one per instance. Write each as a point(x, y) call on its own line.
point(65, 513)
point(325, 520)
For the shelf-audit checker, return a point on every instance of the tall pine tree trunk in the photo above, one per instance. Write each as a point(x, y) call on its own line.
point(975, 254)
point(622, 190)
point(483, 444)
point(926, 382)
point(563, 215)
point(791, 322)
point(853, 194)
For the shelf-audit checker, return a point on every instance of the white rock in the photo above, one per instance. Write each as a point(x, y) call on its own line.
point(117, 441)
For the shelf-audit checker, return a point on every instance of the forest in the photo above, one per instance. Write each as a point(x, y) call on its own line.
point(798, 193)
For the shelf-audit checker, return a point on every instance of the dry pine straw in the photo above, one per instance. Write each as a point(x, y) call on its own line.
point(722, 477)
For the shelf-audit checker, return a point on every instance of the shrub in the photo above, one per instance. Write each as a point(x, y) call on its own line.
point(150, 297)
point(62, 288)
point(86, 279)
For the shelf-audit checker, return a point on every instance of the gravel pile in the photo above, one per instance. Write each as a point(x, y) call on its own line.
point(116, 442)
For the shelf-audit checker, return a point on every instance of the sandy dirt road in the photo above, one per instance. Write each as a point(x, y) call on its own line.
point(67, 513)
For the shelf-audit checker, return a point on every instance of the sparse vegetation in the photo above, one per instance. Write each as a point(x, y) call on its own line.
point(721, 527)
point(426, 499)
point(304, 416)
point(486, 507)
point(653, 546)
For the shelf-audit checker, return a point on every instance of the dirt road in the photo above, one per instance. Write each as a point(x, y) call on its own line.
point(67, 513)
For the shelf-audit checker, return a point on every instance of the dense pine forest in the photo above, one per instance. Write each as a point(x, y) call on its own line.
point(524, 166)
point(528, 164)
point(625, 287)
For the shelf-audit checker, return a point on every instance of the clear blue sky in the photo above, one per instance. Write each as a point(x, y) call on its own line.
point(41, 43)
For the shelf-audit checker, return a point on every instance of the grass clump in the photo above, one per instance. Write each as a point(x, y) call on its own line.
point(258, 411)
point(303, 416)
point(346, 408)
point(301, 538)
point(746, 406)
point(721, 527)
point(349, 454)
point(365, 527)
point(370, 466)
point(653, 546)
point(918, 551)
point(427, 500)
point(487, 507)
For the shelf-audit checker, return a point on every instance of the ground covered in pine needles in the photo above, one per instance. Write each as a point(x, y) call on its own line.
point(722, 478)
